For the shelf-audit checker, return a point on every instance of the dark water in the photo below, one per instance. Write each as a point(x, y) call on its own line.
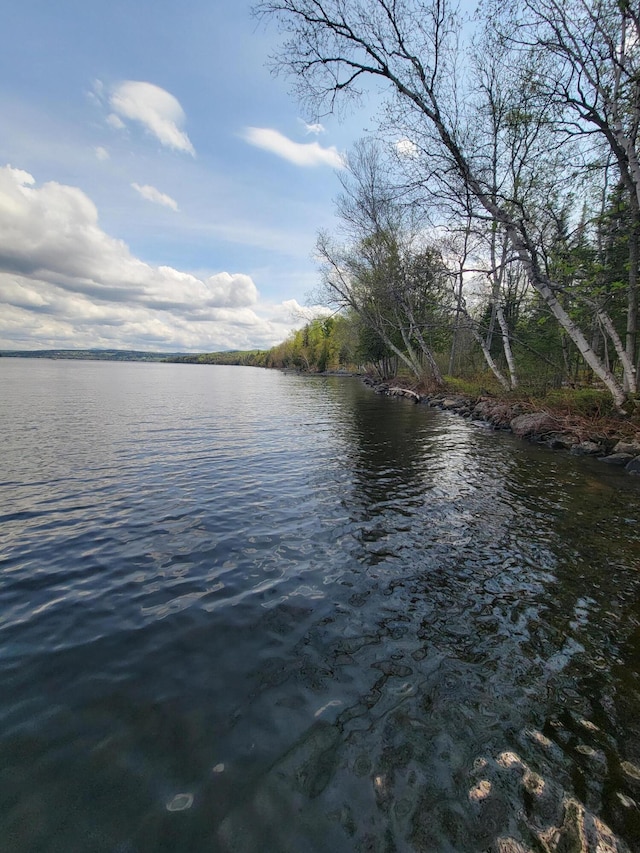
point(247, 611)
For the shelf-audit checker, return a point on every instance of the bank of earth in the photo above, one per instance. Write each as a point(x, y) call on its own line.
point(613, 441)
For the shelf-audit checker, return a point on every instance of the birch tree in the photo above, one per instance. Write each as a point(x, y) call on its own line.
point(335, 48)
point(588, 60)
point(391, 291)
point(382, 271)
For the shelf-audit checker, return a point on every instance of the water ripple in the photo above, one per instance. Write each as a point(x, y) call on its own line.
point(242, 610)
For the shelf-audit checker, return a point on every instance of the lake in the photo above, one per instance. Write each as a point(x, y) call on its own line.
point(243, 610)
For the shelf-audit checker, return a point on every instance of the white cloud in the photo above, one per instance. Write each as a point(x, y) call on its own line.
point(406, 148)
point(19, 176)
point(154, 195)
point(305, 313)
point(316, 128)
point(64, 282)
point(102, 153)
point(232, 290)
point(155, 108)
point(115, 122)
point(298, 153)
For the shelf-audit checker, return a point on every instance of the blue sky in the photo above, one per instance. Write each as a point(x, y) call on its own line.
point(159, 188)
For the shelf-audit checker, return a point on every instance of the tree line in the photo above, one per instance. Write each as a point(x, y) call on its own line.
point(495, 215)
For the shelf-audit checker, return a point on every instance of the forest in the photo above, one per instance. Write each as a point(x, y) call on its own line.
point(490, 225)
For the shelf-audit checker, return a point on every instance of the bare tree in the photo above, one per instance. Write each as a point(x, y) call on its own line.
point(458, 248)
point(587, 56)
point(383, 272)
point(335, 46)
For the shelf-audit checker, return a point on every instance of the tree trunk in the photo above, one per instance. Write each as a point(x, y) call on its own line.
point(435, 370)
point(488, 357)
point(632, 298)
point(578, 338)
point(330, 38)
point(627, 365)
point(506, 345)
point(452, 353)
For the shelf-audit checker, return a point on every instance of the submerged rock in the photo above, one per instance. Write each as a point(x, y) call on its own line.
point(552, 821)
point(560, 441)
point(633, 467)
point(283, 809)
point(587, 448)
point(617, 458)
point(630, 447)
point(542, 427)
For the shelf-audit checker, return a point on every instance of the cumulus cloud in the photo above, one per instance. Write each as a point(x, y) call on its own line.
point(232, 290)
point(154, 195)
point(102, 153)
point(298, 153)
point(155, 108)
point(64, 282)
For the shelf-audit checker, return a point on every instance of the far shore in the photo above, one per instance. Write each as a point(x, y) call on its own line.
point(611, 438)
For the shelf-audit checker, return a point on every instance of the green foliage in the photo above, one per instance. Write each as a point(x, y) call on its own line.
point(586, 402)
point(324, 344)
point(481, 384)
point(247, 358)
point(405, 304)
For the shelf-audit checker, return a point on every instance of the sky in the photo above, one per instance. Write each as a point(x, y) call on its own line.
point(160, 189)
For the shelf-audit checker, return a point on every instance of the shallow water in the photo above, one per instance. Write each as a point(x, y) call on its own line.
point(248, 611)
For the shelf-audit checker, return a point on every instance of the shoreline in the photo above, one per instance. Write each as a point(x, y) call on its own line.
point(604, 439)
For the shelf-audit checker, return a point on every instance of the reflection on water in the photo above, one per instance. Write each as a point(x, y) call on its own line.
point(246, 611)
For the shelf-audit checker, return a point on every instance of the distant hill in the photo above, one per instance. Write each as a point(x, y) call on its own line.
point(244, 357)
point(92, 354)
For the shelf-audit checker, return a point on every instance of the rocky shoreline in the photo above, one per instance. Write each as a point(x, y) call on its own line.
point(577, 435)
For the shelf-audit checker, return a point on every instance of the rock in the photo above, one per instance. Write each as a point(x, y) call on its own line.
point(630, 769)
point(633, 467)
point(587, 448)
point(630, 447)
point(617, 459)
point(501, 416)
point(559, 441)
point(536, 426)
point(510, 845)
point(556, 822)
point(483, 409)
point(580, 831)
point(497, 414)
point(453, 403)
point(536, 423)
point(481, 791)
point(299, 776)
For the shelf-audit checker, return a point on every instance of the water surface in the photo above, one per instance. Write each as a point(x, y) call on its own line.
point(248, 611)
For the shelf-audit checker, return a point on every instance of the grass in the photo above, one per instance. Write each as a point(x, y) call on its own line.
point(587, 412)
